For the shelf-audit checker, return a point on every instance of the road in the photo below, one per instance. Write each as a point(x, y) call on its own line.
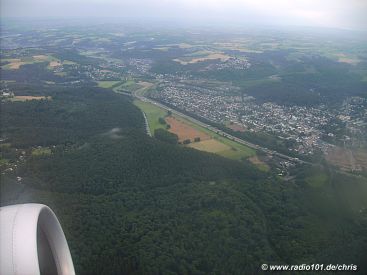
point(220, 132)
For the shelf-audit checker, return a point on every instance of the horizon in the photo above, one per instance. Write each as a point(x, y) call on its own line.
point(340, 14)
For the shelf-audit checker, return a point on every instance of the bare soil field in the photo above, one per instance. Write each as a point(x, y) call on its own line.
point(15, 63)
point(346, 159)
point(361, 158)
point(347, 59)
point(184, 131)
point(54, 64)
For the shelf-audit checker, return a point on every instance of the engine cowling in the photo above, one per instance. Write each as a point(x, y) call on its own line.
point(32, 241)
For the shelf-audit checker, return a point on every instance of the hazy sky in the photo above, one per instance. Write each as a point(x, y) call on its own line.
point(350, 14)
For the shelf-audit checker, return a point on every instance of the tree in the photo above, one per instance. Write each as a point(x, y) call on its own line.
point(162, 121)
point(166, 136)
point(186, 141)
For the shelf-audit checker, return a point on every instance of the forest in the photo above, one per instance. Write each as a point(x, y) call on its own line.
point(132, 204)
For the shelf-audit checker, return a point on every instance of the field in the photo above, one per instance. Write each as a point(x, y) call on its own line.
point(256, 161)
point(237, 46)
point(41, 151)
point(107, 84)
point(209, 141)
point(346, 159)
point(361, 158)
point(28, 97)
point(153, 114)
point(184, 131)
point(125, 86)
point(237, 151)
point(347, 59)
point(206, 56)
point(54, 64)
point(41, 57)
point(317, 180)
point(16, 63)
point(128, 86)
point(210, 145)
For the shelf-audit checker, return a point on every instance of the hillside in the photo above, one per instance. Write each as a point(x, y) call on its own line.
point(134, 205)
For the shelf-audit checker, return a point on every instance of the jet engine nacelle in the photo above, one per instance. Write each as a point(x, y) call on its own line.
point(32, 241)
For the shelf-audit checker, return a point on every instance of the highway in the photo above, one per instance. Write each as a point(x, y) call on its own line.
point(220, 132)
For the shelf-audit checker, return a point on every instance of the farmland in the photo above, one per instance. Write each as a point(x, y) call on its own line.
point(260, 164)
point(317, 180)
point(187, 195)
point(126, 86)
point(107, 84)
point(184, 129)
point(16, 63)
point(201, 57)
point(346, 159)
point(27, 97)
point(210, 145)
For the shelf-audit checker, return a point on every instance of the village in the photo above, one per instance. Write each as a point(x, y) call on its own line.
point(304, 126)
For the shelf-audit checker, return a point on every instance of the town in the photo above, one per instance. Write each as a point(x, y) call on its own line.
point(305, 126)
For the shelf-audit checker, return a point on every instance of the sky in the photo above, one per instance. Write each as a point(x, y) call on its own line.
point(345, 14)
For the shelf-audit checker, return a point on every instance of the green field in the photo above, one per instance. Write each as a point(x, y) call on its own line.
point(41, 151)
point(127, 86)
point(107, 84)
point(235, 150)
point(317, 180)
point(210, 145)
point(153, 114)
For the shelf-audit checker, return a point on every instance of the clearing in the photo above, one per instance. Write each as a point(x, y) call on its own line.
point(184, 131)
point(15, 63)
point(153, 114)
point(317, 180)
point(28, 97)
point(256, 161)
point(210, 145)
point(346, 159)
point(208, 56)
point(107, 84)
point(209, 140)
point(347, 59)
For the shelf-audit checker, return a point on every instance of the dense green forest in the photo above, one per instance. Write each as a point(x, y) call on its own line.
point(131, 204)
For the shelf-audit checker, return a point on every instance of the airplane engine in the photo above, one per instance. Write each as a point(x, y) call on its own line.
point(32, 242)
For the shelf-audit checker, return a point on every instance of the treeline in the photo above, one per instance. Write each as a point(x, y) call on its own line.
point(130, 204)
point(70, 116)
